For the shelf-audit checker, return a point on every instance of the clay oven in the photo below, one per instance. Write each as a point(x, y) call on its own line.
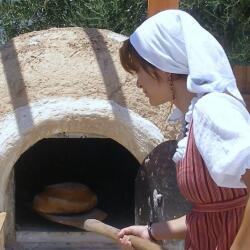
point(67, 107)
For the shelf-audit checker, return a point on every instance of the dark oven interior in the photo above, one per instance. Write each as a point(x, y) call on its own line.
point(102, 164)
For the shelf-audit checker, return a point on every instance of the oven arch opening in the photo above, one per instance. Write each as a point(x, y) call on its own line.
point(56, 115)
point(102, 164)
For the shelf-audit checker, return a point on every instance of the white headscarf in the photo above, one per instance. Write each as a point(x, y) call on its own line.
point(174, 42)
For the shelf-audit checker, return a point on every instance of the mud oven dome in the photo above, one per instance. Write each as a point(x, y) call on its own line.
point(69, 113)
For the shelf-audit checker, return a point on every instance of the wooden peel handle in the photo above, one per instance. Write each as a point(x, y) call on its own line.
point(138, 243)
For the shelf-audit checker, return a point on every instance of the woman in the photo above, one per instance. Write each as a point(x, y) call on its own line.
point(176, 60)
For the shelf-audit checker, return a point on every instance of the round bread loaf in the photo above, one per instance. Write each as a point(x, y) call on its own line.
point(65, 198)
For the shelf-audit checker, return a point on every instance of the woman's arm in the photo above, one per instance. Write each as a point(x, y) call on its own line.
point(169, 230)
point(242, 239)
point(173, 229)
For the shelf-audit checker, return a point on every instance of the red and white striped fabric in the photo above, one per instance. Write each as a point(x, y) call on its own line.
point(217, 212)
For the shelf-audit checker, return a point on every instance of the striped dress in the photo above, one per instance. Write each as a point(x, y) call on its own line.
point(217, 212)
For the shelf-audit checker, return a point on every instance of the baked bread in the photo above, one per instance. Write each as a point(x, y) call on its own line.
point(65, 198)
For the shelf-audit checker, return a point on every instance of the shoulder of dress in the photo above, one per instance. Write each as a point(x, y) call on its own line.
point(217, 107)
point(216, 102)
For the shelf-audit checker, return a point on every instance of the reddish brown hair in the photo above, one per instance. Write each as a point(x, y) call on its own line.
point(132, 62)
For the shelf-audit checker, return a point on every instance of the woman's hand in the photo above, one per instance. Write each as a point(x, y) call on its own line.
point(165, 230)
point(123, 235)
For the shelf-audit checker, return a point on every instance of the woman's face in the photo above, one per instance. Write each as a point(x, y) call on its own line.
point(157, 91)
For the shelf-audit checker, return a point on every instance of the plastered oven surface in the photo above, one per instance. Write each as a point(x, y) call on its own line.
point(70, 80)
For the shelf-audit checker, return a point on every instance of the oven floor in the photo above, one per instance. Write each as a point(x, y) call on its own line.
point(29, 240)
point(61, 246)
point(36, 233)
